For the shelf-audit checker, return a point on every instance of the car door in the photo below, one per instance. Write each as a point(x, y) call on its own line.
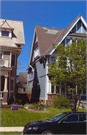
point(82, 123)
point(69, 125)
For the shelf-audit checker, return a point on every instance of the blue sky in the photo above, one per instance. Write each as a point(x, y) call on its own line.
point(56, 14)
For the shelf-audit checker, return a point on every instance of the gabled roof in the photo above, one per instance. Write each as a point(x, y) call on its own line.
point(5, 25)
point(47, 36)
point(68, 29)
point(17, 34)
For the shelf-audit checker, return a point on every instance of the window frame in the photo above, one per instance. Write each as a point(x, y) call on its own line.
point(14, 60)
point(36, 52)
point(67, 116)
point(1, 56)
point(12, 85)
point(79, 117)
point(52, 87)
point(72, 121)
point(3, 33)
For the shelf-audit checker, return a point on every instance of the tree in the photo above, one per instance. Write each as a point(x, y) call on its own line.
point(69, 69)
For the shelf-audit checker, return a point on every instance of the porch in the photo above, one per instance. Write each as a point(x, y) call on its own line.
point(4, 89)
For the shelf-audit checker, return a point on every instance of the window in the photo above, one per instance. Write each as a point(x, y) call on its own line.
point(53, 59)
point(36, 52)
point(71, 118)
point(57, 117)
point(0, 55)
point(82, 117)
point(57, 89)
point(12, 85)
point(54, 89)
point(31, 73)
point(13, 60)
point(5, 33)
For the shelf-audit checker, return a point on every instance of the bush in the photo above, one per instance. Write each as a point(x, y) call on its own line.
point(61, 102)
point(39, 106)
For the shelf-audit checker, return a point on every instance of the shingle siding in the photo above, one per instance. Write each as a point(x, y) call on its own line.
point(42, 86)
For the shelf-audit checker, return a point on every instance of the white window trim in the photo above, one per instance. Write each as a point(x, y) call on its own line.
point(10, 33)
point(7, 59)
point(13, 84)
point(36, 52)
point(54, 89)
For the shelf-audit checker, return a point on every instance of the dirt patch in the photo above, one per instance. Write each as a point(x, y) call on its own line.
point(35, 109)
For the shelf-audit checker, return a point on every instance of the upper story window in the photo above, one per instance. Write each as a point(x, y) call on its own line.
point(53, 58)
point(12, 85)
point(0, 55)
point(13, 59)
point(5, 33)
point(36, 52)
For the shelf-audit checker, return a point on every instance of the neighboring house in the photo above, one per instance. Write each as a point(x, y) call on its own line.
point(42, 53)
point(22, 82)
point(11, 40)
point(21, 85)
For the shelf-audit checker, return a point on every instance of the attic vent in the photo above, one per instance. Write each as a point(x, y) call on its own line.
point(50, 31)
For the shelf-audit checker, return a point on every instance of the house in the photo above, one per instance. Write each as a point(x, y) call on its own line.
point(22, 82)
point(11, 41)
point(42, 53)
point(21, 85)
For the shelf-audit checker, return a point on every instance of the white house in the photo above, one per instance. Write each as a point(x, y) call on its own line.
point(42, 52)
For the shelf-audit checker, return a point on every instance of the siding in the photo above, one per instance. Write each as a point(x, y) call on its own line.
point(42, 83)
point(79, 27)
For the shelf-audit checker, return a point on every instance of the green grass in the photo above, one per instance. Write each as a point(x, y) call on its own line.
point(11, 133)
point(22, 116)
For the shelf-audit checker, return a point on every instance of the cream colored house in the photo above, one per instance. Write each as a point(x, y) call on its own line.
point(11, 40)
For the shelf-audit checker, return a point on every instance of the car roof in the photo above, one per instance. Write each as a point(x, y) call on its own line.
point(72, 112)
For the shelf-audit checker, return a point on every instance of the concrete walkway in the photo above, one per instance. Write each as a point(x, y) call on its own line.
point(11, 129)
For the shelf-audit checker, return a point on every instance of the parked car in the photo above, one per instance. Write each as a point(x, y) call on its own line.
point(63, 123)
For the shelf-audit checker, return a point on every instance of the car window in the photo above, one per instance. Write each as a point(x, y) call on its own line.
point(57, 117)
point(82, 117)
point(71, 118)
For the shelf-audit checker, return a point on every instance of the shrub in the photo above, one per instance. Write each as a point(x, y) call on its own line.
point(39, 106)
point(61, 102)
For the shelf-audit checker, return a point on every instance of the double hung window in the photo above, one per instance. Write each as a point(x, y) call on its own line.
point(13, 60)
point(12, 85)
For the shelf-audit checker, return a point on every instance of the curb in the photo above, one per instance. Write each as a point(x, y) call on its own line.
point(11, 129)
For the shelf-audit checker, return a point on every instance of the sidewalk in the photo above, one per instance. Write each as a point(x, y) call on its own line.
point(11, 129)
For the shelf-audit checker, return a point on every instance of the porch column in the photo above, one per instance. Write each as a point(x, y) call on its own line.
point(5, 94)
point(60, 90)
point(5, 84)
point(55, 89)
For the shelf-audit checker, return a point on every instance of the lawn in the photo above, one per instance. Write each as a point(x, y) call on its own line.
point(14, 133)
point(22, 116)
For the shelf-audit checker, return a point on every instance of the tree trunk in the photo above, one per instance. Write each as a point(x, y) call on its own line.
point(75, 99)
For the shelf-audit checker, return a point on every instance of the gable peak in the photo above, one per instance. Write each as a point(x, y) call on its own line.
point(5, 25)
